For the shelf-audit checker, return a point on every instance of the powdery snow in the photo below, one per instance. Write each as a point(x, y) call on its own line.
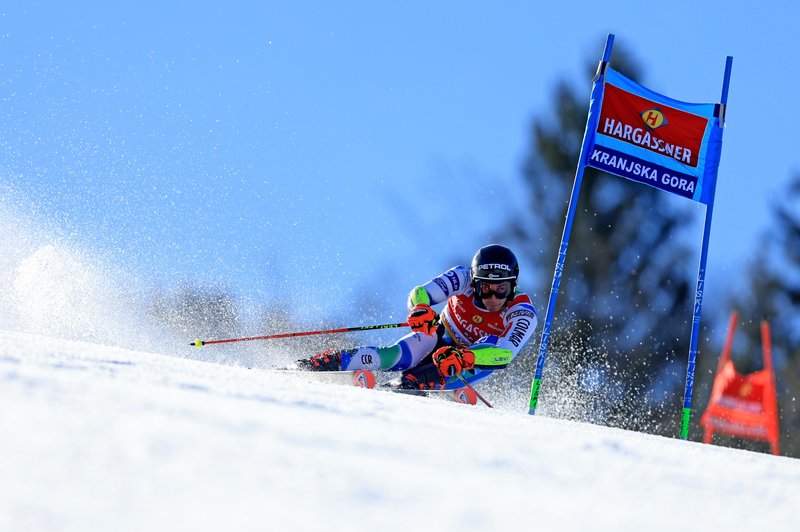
point(98, 438)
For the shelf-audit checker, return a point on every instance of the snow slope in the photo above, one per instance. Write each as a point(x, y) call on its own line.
point(99, 438)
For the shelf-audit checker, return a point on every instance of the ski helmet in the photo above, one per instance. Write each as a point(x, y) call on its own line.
point(495, 263)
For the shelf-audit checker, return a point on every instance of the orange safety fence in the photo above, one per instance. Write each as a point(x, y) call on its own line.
point(743, 405)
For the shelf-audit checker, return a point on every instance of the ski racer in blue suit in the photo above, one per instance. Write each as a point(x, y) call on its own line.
point(484, 324)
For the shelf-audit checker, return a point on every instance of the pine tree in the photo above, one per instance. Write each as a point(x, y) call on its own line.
point(622, 323)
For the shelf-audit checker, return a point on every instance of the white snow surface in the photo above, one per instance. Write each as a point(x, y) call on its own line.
point(100, 438)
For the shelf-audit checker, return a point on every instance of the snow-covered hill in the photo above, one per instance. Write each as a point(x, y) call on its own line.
point(98, 438)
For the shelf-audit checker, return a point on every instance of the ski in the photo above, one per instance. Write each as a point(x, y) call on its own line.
point(360, 378)
point(460, 395)
point(363, 378)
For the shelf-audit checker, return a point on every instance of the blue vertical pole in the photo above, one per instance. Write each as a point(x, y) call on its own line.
point(591, 125)
point(701, 279)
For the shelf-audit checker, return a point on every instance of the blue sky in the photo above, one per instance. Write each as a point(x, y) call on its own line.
point(308, 149)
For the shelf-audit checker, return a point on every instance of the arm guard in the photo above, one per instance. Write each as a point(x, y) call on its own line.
point(418, 296)
point(491, 357)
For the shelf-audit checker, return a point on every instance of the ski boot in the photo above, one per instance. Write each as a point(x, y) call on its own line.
point(424, 377)
point(328, 360)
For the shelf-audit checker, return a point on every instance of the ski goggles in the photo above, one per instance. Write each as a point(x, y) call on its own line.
point(486, 289)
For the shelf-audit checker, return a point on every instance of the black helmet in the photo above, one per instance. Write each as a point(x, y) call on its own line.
point(495, 263)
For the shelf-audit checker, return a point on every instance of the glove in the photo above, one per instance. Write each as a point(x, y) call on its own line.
point(422, 319)
point(451, 361)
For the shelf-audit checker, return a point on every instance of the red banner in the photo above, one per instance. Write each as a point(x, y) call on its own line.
point(652, 126)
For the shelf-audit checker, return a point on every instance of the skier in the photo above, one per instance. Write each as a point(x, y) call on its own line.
point(484, 324)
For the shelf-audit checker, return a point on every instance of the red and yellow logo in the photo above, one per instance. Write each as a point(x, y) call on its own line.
point(653, 118)
point(477, 318)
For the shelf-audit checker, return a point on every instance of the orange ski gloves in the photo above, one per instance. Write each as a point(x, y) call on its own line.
point(422, 319)
point(451, 361)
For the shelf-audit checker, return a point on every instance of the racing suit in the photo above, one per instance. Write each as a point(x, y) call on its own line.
point(494, 337)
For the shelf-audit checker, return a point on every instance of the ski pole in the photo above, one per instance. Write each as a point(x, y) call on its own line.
point(201, 343)
point(479, 396)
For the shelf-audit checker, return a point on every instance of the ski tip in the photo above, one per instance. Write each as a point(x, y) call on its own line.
point(198, 343)
point(465, 396)
point(364, 378)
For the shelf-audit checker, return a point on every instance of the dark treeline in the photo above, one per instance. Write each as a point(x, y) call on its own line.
point(622, 326)
point(771, 291)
